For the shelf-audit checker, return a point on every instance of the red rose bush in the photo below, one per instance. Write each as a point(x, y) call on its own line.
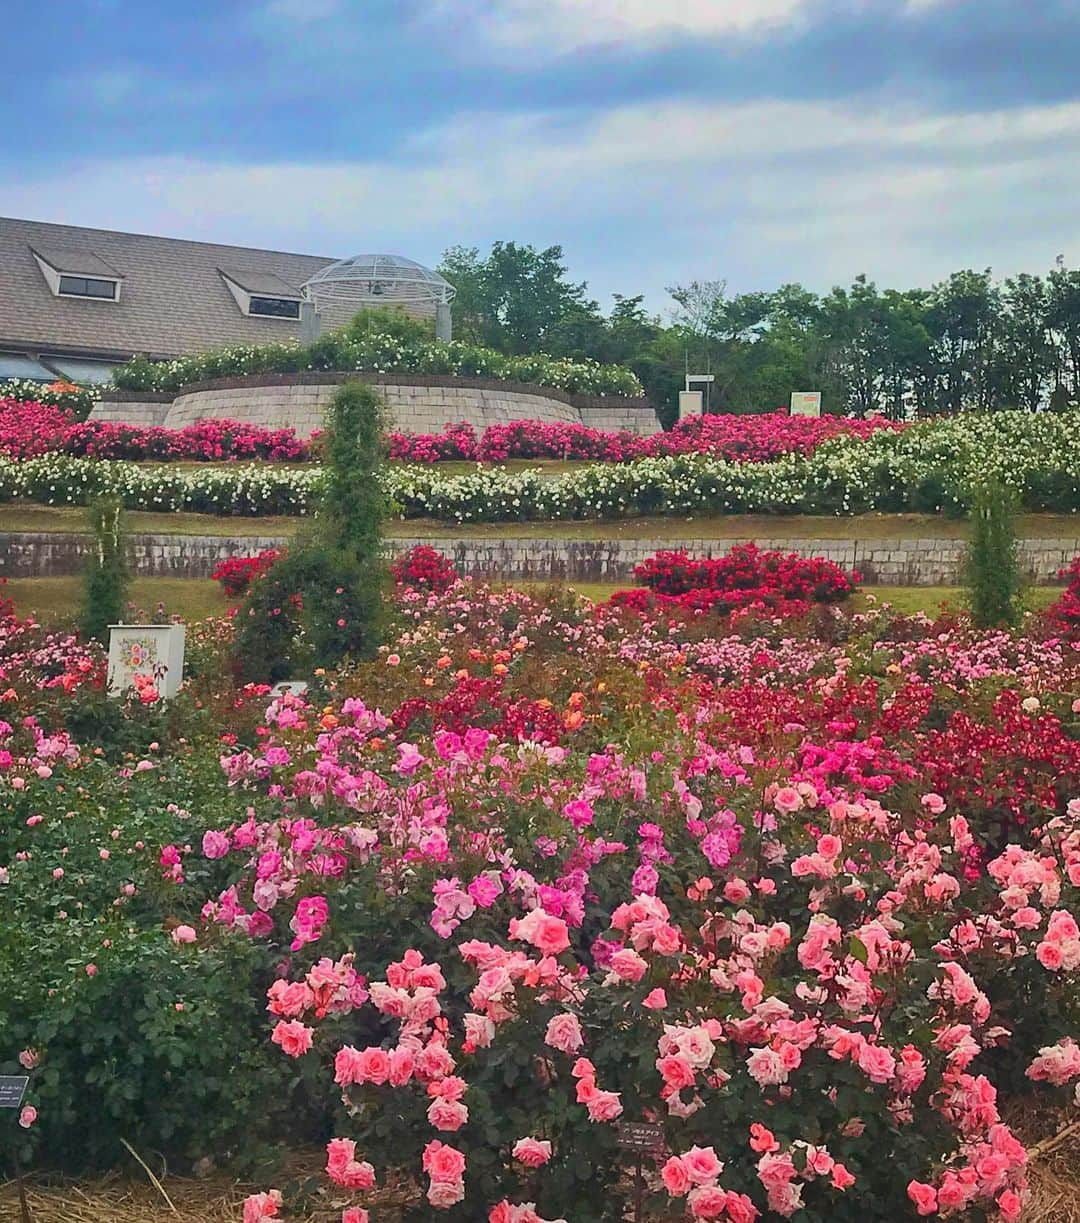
point(785, 584)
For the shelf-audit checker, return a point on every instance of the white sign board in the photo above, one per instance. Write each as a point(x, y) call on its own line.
point(289, 687)
point(689, 404)
point(805, 403)
point(142, 652)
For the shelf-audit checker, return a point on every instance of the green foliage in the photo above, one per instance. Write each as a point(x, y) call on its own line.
point(139, 1039)
point(322, 602)
point(105, 578)
point(392, 321)
point(353, 504)
point(400, 346)
point(993, 571)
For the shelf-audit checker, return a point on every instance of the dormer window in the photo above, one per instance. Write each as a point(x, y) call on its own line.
point(78, 273)
point(275, 307)
point(87, 286)
point(262, 294)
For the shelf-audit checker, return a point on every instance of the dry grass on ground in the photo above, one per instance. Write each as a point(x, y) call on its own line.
point(1054, 1173)
point(27, 517)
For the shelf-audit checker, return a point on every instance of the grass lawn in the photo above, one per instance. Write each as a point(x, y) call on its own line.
point(19, 517)
point(54, 600)
point(57, 599)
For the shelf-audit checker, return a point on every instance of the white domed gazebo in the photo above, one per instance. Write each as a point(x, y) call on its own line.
point(367, 281)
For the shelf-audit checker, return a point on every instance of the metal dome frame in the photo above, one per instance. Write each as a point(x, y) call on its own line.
point(372, 280)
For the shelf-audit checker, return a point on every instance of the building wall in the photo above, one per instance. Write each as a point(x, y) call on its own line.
point(415, 405)
point(889, 562)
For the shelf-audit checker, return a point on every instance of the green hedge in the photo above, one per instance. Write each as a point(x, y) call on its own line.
point(378, 352)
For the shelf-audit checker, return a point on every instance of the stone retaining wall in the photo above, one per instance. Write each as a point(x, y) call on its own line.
point(888, 562)
point(424, 404)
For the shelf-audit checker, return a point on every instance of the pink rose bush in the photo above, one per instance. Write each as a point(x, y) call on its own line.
point(30, 429)
point(763, 931)
point(757, 438)
point(801, 894)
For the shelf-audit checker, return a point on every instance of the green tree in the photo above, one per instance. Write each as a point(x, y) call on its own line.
point(993, 570)
point(516, 299)
point(105, 577)
point(323, 601)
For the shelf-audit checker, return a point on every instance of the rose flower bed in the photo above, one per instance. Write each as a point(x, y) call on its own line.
point(808, 906)
point(754, 438)
point(29, 429)
point(746, 577)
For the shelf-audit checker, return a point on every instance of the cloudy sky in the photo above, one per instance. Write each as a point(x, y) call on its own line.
point(758, 141)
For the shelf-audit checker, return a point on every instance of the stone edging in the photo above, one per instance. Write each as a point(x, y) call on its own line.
point(890, 562)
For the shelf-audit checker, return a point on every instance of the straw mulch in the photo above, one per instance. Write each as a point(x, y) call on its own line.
point(1053, 1141)
point(1054, 1174)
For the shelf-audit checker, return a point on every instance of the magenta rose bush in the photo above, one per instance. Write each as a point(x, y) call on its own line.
point(29, 429)
point(755, 438)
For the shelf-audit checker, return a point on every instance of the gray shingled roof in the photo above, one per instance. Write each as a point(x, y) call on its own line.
point(173, 301)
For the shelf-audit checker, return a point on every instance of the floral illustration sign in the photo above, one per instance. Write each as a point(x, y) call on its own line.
point(147, 659)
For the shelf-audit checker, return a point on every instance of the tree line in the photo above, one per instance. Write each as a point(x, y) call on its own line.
point(968, 343)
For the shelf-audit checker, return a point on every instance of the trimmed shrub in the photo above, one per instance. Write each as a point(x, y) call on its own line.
point(105, 579)
point(993, 571)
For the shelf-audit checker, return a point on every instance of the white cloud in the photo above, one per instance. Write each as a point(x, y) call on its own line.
point(642, 196)
point(542, 28)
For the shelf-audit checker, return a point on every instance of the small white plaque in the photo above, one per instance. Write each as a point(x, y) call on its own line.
point(154, 650)
point(805, 403)
point(689, 404)
point(289, 687)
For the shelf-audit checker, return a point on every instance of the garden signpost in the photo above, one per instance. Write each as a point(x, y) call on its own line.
point(12, 1090)
point(643, 1138)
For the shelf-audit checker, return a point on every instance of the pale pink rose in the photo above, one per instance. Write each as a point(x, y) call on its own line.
point(532, 1152)
point(829, 846)
point(736, 891)
point(261, 1206)
point(444, 1194)
point(1050, 956)
point(935, 804)
point(655, 1000)
point(628, 965)
point(479, 1030)
point(675, 1177)
point(373, 1066)
point(708, 1202)
point(666, 940)
point(289, 998)
point(184, 934)
point(766, 1068)
point(447, 1115)
point(29, 1058)
point(702, 1165)
point(787, 800)
point(876, 1062)
point(1010, 1204)
point(293, 1037)
point(841, 1177)
point(442, 1162)
point(740, 1209)
point(402, 1065)
point(676, 1072)
point(355, 1214)
point(604, 1106)
point(27, 1116)
point(564, 1033)
point(924, 1197)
